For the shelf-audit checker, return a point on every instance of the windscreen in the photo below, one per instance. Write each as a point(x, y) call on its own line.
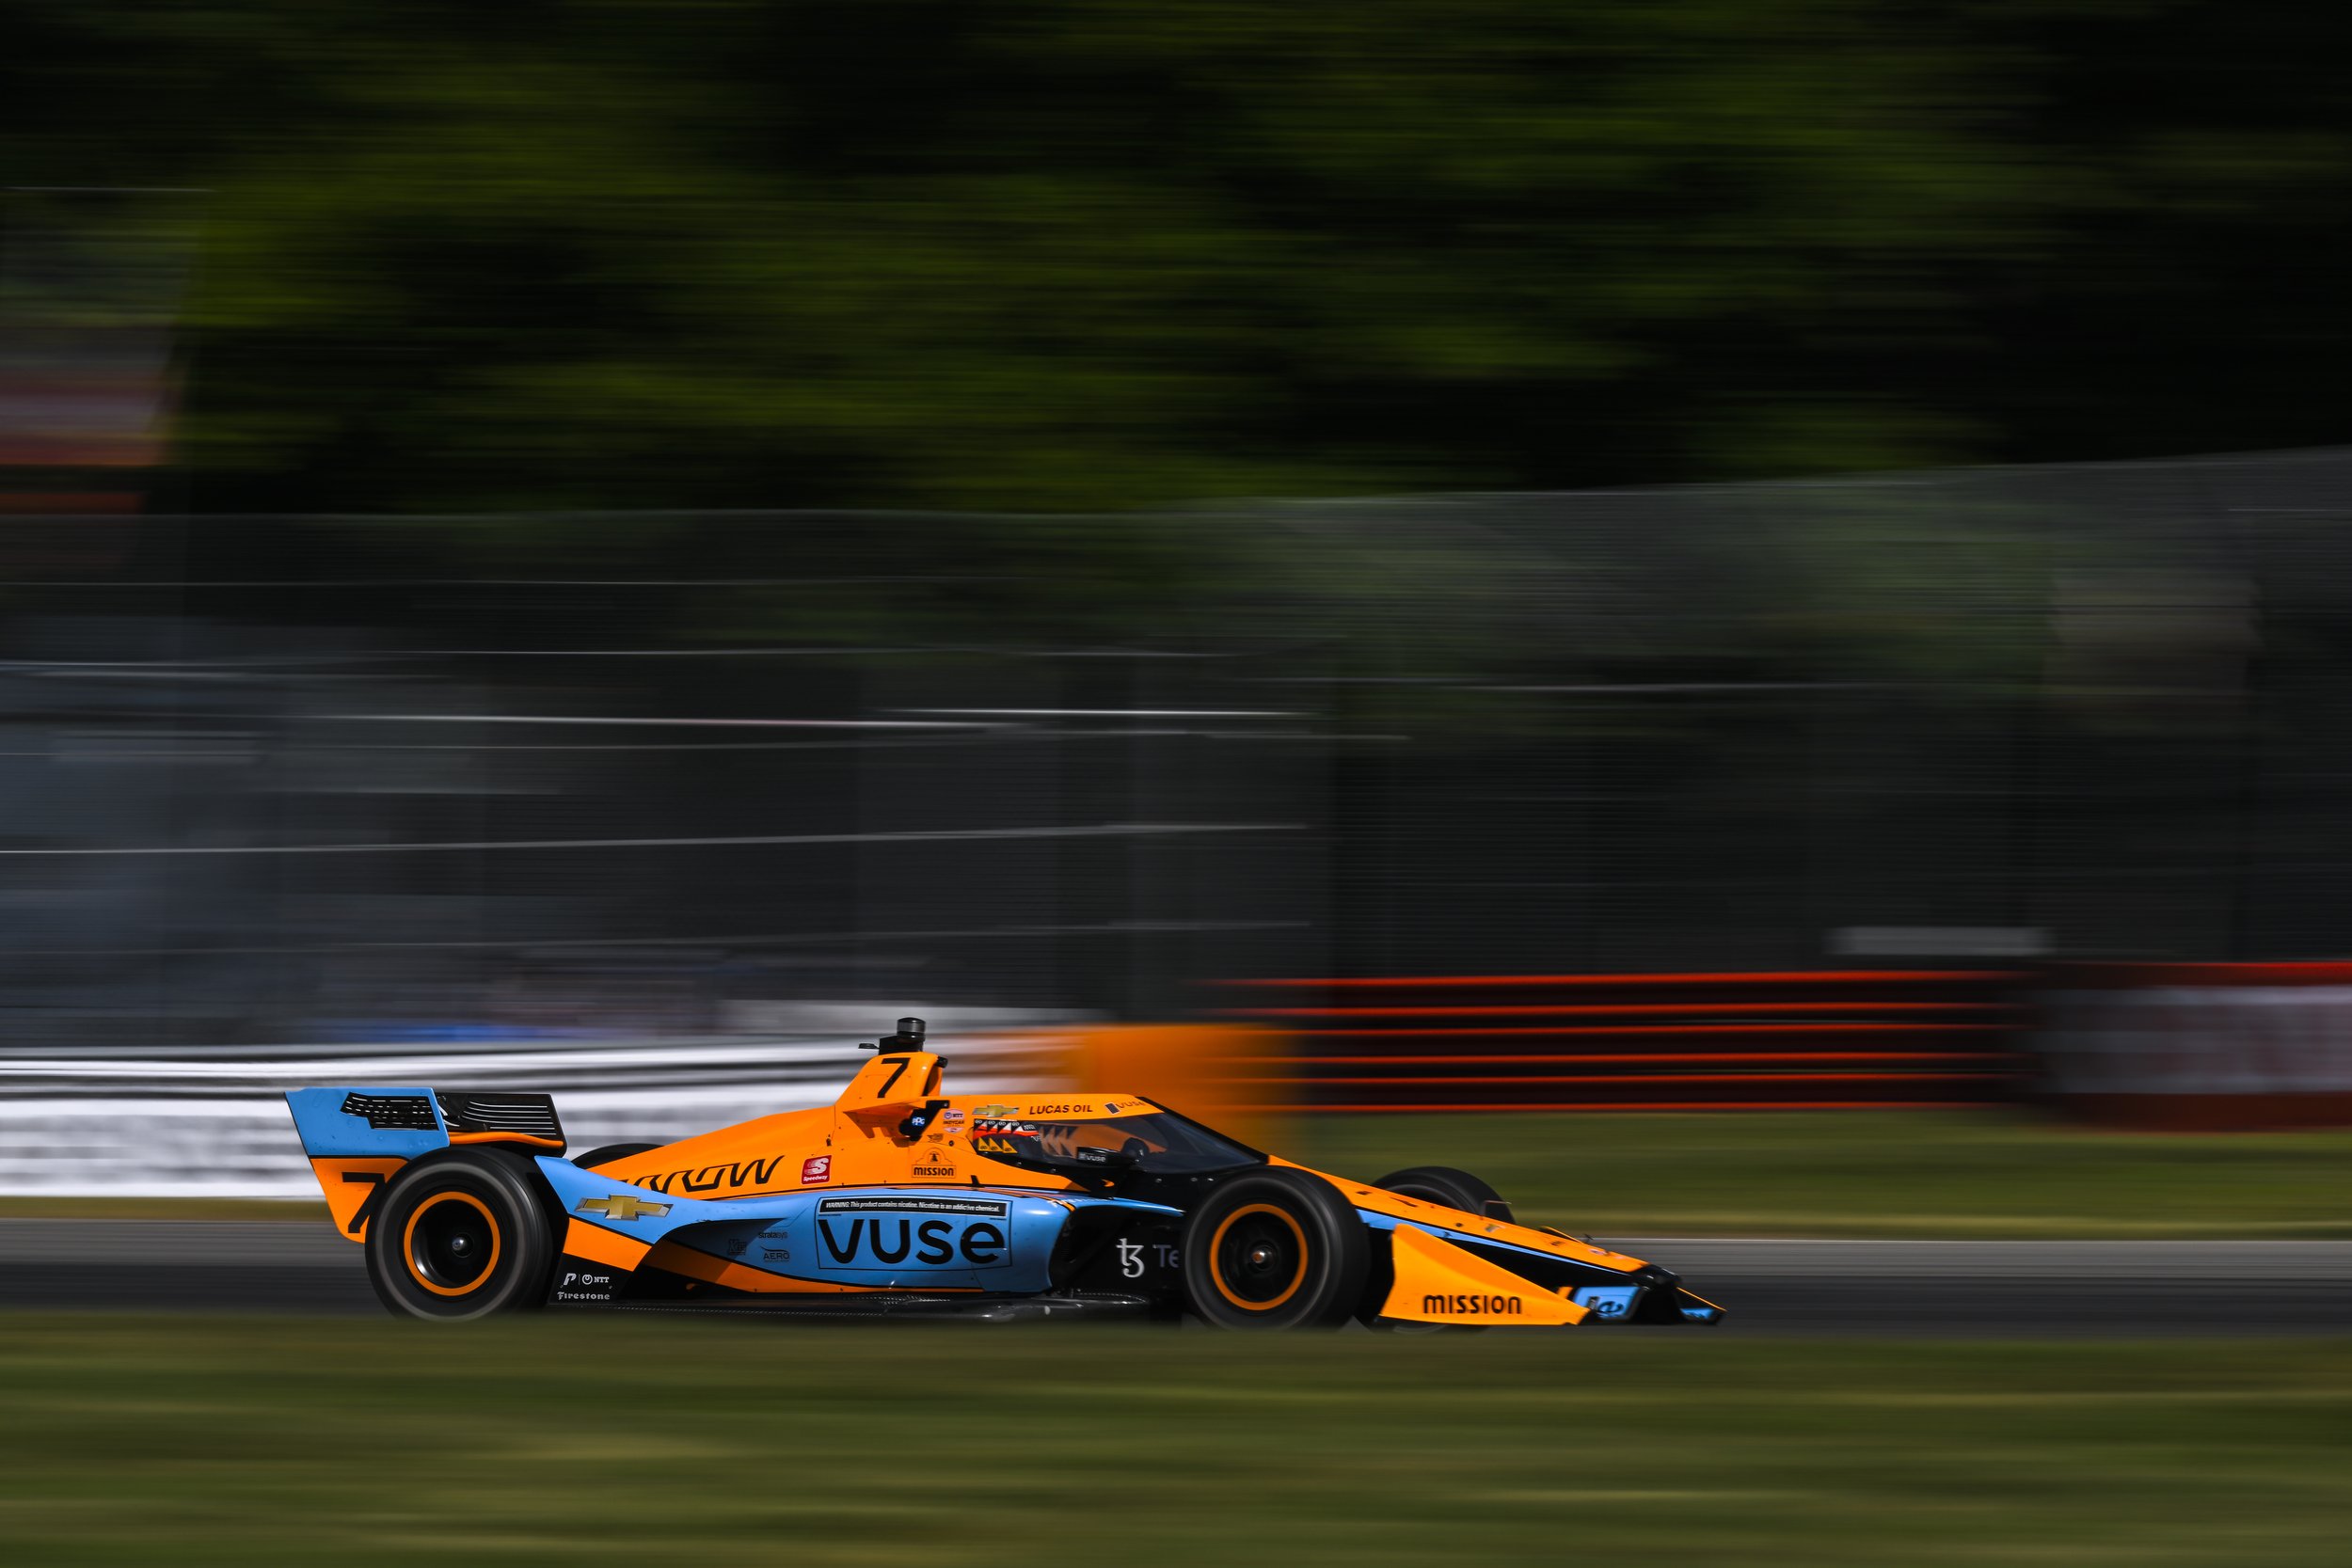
point(1160, 1143)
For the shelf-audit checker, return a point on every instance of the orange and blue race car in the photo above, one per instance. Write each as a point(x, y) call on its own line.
point(898, 1200)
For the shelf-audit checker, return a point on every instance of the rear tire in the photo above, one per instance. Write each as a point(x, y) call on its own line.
point(1274, 1248)
point(1453, 1189)
point(460, 1235)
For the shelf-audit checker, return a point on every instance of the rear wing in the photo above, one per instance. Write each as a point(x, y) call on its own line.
point(356, 1138)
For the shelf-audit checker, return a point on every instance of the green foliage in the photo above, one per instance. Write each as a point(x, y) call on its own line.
point(1063, 256)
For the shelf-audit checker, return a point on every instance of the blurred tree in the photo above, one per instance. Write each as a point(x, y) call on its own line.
point(1050, 255)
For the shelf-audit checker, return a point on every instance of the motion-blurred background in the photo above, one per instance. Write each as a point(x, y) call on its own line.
point(1733, 613)
point(1634, 558)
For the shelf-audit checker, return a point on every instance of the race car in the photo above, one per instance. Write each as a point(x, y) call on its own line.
point(898, 1200)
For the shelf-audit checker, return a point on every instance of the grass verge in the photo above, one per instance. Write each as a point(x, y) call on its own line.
point(1963, 1174)
point(1975, 1174)
point(629, 1440)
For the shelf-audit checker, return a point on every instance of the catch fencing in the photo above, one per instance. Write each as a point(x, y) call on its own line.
point(304, 792)
point(2200, 1047)
point(1818, 1040)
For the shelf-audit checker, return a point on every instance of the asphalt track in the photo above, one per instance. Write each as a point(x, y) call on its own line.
point(1840, 1286)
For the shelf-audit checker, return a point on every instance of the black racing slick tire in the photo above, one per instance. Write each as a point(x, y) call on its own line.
point(460, 1234)
point(1443, 1184)
point(1439, 1184)
point(1274, 1248)
point(608, 1154)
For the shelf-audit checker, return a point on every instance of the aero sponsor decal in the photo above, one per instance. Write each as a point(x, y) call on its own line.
point(996, 1135)
point(1133, 1256)
point(583, 1284)
point(815, 1169)
point(620, 1206)
point(1491, 1307)
point(881, 1233)
point(741, 1175)
point(1606, 1301)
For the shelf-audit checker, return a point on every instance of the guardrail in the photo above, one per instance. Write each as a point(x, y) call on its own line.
point(2200, 1047)
point(212, 1122)
point(1807, 1040)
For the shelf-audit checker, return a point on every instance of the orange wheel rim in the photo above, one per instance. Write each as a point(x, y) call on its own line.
point(408, 1244)
point(1216, 1250)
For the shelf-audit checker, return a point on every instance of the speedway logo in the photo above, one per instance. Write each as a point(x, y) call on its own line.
point(1473, 1306)
point(880, 1233)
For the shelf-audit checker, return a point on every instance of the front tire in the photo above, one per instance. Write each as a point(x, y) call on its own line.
point(1274, 1248)
point(1451, 1189)
point(460, 1235)
point(1447, 1187)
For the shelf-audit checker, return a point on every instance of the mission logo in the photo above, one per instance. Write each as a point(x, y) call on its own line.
point(1474, 1307)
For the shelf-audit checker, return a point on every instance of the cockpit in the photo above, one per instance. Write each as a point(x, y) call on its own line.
point(1154, 1143)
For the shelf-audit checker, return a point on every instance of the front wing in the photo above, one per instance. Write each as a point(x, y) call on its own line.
point(1435, 1279)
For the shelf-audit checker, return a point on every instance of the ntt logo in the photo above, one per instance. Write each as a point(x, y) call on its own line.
point(1488, 1306)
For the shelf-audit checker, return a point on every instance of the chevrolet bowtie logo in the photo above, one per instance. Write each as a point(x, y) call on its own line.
point(620, 1206)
